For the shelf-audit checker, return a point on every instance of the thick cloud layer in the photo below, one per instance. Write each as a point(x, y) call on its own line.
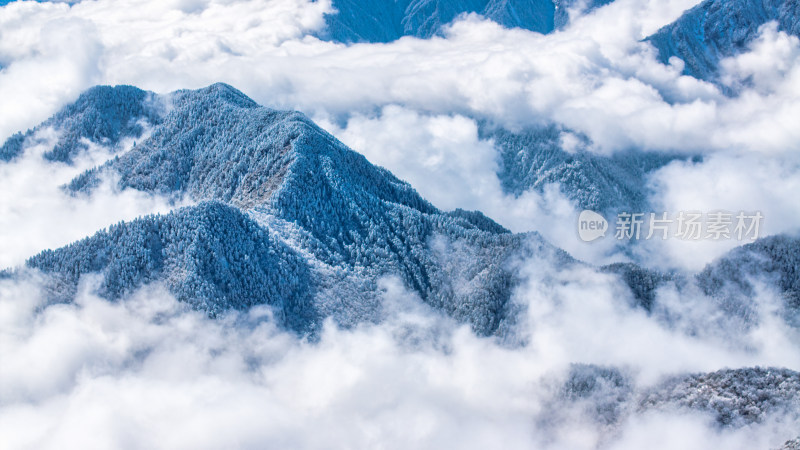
point(148, 372)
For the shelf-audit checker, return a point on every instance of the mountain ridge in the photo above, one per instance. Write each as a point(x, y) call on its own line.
point(102, 115)
point(355, 220)
point(352, 222)
point(716, 29)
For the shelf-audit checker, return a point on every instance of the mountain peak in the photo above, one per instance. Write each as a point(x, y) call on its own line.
point(211, 256)
point(304, 190)
point(216, 143)
point(103, 115)
point(217, 92)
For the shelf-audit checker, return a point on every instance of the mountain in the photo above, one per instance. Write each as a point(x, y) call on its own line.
point(535, 157)
point(389, 20)
point(794, 444)
point(271, 185)
point(211, 256)
point(642, 282)
point(716, 29)
point(101, 116)
point(281, 201)
point(736, 398)
point(732, 398)
point(311, 212)
point(285, 215)
point(773, 261)
point(729, 285)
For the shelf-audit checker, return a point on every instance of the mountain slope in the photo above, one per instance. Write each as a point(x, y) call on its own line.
point(794, 444)
point(731, 286)
point(731, 398)
point(716, 29)
point(535, 157)
point(388, 20)
point(211, 256)
point(735, 398)
point(774, 261)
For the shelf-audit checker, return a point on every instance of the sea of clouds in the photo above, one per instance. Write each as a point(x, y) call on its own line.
point(148, 373)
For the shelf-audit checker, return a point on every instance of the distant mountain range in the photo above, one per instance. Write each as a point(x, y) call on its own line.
point(535, 157)
point(701, 37)
point(389, 20)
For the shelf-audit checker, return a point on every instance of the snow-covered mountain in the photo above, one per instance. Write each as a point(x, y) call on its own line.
point(287, 207)
point(733, 397)
point(388, 20)
point(794, 444)
point(102, 116)
point(729, 286)
point(535, 157)
point(716, 29)
point(197, 269)
point(736, 278)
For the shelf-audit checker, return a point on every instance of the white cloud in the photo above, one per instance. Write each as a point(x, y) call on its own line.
point(36, 214)
point(725, 182)
point(440, 155)
point(443, 158)
point(579, 315)
point(594, 78)
point(686, 431)
point(53, 51)
point(148, 372)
